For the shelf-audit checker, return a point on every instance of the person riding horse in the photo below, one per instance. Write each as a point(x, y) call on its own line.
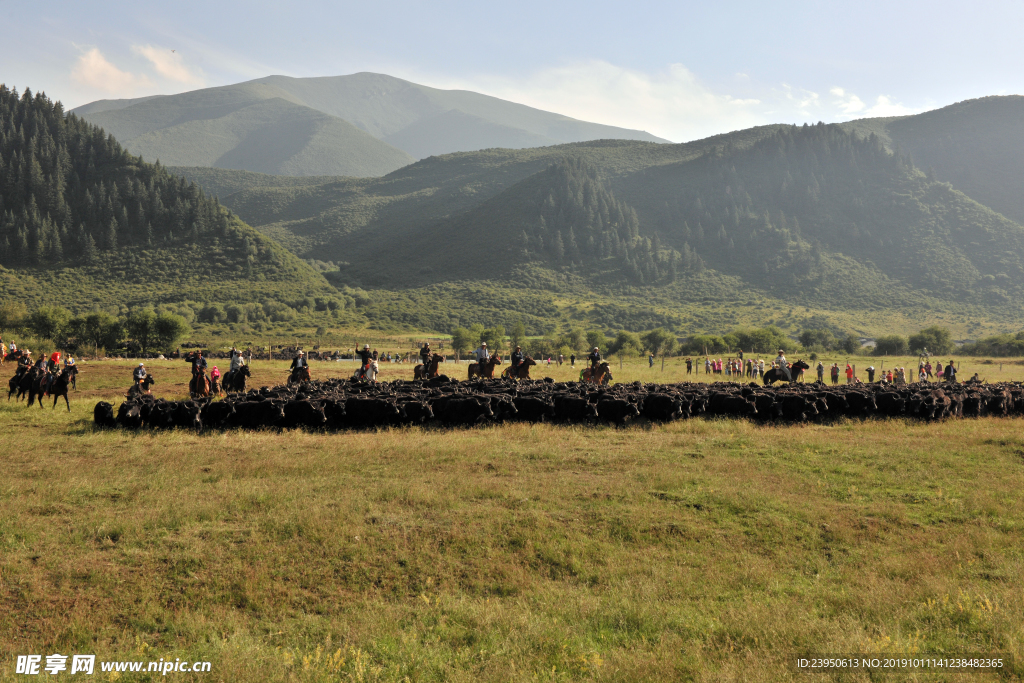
point(595, 361)
point(139, 373)
point(516, 360)
point(482, 354)
point(425, 355)
point(783, 365)
point(298, 364)
point(198, 364)
point(365, 357)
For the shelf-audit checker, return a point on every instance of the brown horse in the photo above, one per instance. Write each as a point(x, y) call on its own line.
point(431, 369)
point(520, 372)
point(603, 375)
point(199, 386)
point(299, 375)
point(486, 370)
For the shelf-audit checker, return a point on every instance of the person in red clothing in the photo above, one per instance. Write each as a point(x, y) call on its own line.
point(849, 374)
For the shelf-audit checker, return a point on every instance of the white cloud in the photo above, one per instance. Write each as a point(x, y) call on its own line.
point(169, 64)
point(673, 104)
point(92, 69)
point(849, 105)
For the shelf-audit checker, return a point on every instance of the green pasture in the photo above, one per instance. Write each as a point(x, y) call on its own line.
point(703, 550)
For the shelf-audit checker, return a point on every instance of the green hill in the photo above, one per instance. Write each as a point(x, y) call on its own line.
point(772, 223)
point(364, 121)
point(85, 224)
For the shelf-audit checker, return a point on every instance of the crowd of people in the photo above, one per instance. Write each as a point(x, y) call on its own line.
point(735, 368)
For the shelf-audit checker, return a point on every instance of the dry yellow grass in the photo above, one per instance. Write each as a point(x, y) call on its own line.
point(701, 550)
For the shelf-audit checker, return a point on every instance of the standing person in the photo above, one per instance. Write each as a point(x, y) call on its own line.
point(561, 359)
point(921, 376)
point(650, 360)
point(707, 365)
point(849, 374)
point(760, 368)
point(821, 372)
point(871, 373)
point(834, 372)
point(572, 359)
point(928, 369)
point(689, 365)
point(950, 372)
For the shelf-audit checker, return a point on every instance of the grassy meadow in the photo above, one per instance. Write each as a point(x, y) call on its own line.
point(700, 550)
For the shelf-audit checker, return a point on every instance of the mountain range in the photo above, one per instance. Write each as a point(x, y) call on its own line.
point(871, 226)
point(362, 125)
point(917, 216)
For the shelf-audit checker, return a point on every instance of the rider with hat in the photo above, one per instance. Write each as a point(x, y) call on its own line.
point(425, 355)
point(516, 359)
point(198, 364)
point(595, 359)
point(482, 355)
point(139, 373)
point(783, 366)
point(298, 363)
point(365, 357)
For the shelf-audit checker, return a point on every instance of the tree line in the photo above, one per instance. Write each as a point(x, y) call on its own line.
point(143, 330)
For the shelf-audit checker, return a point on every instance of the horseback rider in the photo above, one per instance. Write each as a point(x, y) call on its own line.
point(783, 366)
point(237, 360)
point(482, 355)
point(24, 363)
point(139, 373)
point(516, 359)
point(595, 360)
point(298, 363)
point(198, 366)
point(365, 357)
point(425, 355)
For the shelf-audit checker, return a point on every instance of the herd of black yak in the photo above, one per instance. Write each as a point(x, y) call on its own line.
point(343, 404)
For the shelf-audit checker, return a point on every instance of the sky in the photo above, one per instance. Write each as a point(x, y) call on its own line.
point(680, 70)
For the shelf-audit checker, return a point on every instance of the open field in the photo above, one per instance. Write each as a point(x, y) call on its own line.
point(698, 550)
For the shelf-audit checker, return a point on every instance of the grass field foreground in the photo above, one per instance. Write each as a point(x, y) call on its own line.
point(700, 550)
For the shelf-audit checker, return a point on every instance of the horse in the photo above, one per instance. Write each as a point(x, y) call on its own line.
point(431, 368)
point(199, 386)
point(140, 388)
point(774, 375)
point(14, 356)
point(59, 387)
point(299, 375)
point(22, 383)
point(234, 380)
point(522, 371)
point(602, 376)
point(73, 369)
point(370, 375)
point(485, 369)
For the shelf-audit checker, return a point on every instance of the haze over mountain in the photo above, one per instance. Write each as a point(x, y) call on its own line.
point(830, 218)
point(358, 125)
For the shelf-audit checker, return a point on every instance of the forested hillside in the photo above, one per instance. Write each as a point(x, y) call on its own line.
point(825, 217)
point(84, 220)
